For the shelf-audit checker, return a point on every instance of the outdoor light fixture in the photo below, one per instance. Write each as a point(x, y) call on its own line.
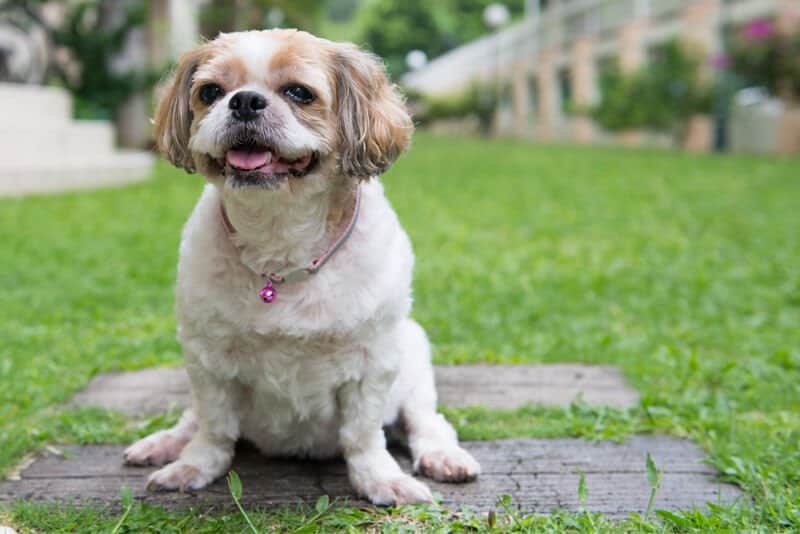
point(416, 59)
point(496, 15)
point(275, 17)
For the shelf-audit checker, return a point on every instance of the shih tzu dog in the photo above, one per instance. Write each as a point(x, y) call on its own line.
point(294, 279)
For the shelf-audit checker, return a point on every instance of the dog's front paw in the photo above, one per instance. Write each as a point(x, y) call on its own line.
point(451, 464)
point(156, 449)
point(179, 476)
point(403, 489)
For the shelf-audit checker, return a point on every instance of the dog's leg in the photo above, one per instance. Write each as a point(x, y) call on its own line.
point(208, 454)
point(432, 440)
point(163, 446)
point(373, 472)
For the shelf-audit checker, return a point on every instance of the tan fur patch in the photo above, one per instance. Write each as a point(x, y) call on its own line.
point(227, 70)
point(173, 118)
point(374, 126)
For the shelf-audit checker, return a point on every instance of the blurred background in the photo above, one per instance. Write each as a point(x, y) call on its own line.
point(699, 75)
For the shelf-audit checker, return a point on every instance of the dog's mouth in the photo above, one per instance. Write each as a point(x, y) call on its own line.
point(254, 164)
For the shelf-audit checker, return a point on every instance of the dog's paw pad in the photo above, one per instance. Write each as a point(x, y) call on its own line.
point(157, 449)
point(448, 465)
point(401, 490)
point(178, 476)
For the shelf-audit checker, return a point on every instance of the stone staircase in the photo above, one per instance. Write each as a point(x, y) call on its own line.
point(42, 149)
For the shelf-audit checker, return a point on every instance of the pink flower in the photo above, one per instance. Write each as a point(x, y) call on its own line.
point(758, 30)
point(720, 61)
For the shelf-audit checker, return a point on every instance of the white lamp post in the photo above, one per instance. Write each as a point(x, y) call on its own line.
point(275, 17)
point(495, 16)
point(416, 59)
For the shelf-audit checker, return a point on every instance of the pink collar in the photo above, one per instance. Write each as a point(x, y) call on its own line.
point(268, 293)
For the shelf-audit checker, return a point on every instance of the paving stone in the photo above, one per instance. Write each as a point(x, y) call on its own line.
point(152, 391)
point(539, 475)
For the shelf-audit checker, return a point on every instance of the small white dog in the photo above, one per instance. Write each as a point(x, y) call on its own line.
point(294, 280)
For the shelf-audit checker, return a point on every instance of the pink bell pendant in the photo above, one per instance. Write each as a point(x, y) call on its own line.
point(268, 292)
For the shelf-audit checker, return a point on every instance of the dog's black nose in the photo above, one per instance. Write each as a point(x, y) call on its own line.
point(246, 105)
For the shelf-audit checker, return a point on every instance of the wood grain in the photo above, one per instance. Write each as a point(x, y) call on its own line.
point(153, 391)
point(539, 475)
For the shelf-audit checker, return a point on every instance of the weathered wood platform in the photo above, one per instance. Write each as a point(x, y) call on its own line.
point(153, 391)
point(540, 476)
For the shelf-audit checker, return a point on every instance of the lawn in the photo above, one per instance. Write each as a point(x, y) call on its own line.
point(683, 270)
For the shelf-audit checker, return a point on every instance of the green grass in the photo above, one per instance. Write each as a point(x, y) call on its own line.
point(682, 270)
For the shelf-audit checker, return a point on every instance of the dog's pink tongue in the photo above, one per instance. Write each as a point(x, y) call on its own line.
point(246, 159)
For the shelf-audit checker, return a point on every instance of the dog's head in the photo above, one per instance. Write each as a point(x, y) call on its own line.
point(263, 108)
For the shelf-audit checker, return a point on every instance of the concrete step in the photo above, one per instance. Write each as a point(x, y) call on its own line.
point(47, 175)
point(33, 105)
point(43, 150)
point(24, 146)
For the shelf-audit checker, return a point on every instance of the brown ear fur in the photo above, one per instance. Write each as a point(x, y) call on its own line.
point(173, 118)
point(374, 126)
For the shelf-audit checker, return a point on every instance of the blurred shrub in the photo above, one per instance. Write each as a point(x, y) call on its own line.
point(621, 103)
point(227, 16)
point(92, 33)
point(763, 56)
point(479, 100)
point(462, 20)
point(93, 41)
point(661, 95)
point(392, 28)
point(341, 10)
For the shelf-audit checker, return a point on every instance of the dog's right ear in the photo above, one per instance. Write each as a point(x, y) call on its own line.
point(173, 118)
point(374, 125)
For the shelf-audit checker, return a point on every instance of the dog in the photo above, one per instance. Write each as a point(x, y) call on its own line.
point(294, 279)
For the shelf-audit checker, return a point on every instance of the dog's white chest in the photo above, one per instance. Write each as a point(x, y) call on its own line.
point(289, 404)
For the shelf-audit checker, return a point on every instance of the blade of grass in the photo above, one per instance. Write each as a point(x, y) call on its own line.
point(235, 487)
point(654, 480)
point(127, 502)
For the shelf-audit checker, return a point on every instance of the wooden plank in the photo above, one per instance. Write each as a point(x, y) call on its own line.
point(152, 391)
point(512, 386)
point(553, 456)
point(145, 392)
point(539, 475)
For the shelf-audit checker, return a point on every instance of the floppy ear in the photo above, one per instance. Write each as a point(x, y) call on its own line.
point(374, 126)
point(173, 118)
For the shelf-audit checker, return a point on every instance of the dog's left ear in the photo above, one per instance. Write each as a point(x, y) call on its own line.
point(374, 126)
point(173, 119)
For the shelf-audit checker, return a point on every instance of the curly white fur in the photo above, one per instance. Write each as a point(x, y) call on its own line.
point(318, 372)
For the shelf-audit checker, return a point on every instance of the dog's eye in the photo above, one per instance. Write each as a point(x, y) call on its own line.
point(299, 94)
point(209, 93)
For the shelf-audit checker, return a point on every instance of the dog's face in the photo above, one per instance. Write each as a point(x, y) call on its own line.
point(280, 108)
